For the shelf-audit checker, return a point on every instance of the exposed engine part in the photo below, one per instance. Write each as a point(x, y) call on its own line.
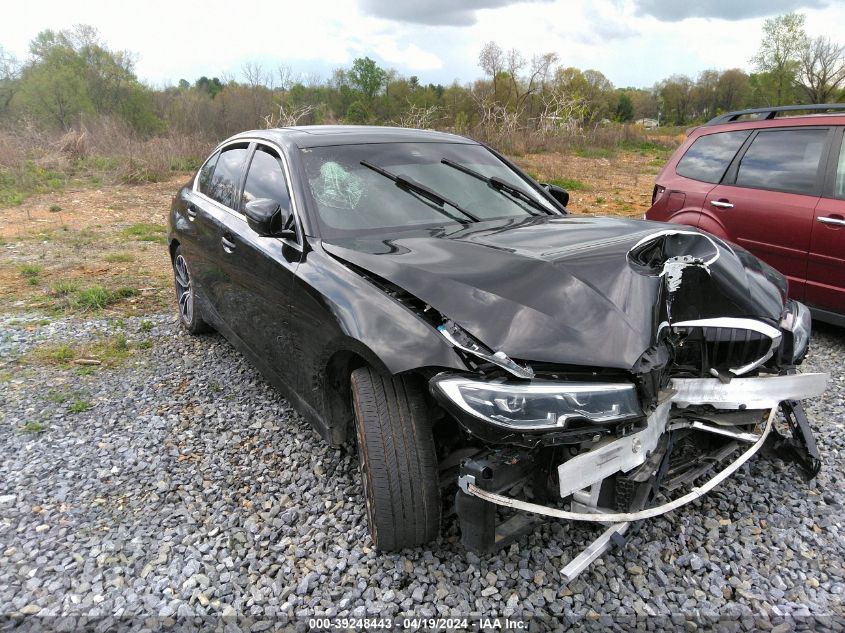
point(730, 344)
point(679, 459)
point(613, 535)
point(801, 447)
point(616, 517)
point(499, 470)
point(612, 455)
point(741, 436)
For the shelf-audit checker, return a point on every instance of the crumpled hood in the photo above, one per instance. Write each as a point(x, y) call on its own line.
point(558, 289)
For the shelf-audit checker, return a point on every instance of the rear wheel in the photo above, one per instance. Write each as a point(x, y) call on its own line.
point(397, 458)
point(189, 310)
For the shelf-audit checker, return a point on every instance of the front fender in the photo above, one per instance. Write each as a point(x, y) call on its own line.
point(364, 319)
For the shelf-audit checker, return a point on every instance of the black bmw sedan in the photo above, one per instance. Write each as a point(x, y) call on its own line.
point(417, 292)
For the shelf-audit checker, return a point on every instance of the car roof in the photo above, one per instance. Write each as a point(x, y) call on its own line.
point(777, 122)
point(771, 112)
point(303, 136)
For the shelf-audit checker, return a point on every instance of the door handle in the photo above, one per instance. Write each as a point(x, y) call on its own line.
point(832, 221)
point(722, 204)
point(228, 245)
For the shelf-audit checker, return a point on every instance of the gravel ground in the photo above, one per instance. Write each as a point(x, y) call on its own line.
point(190, 488)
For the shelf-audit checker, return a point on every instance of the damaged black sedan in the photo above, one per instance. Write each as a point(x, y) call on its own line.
point(417, 291)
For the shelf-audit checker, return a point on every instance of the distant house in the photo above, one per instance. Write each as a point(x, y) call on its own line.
point(647, 123)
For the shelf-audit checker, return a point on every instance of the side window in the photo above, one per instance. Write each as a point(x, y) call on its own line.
point(839, 183)
point(227, 175)
point(266, 178)
point(206, 172)
point(708, 158)
point(783, 160)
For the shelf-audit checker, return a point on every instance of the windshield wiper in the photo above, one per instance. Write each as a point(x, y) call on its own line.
point(407, 184)
point(496, 183)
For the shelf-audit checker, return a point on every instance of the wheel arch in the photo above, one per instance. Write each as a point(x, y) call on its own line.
point(337, 363)
point(174, 244)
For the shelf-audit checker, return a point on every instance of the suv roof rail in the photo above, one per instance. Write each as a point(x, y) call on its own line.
point(771, 111)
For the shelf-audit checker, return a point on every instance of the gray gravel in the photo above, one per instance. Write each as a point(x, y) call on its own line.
point(191, 488)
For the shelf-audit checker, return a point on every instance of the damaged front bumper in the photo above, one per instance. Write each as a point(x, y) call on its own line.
point(618, 480)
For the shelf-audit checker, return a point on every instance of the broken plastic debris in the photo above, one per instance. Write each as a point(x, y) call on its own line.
point(498, 358)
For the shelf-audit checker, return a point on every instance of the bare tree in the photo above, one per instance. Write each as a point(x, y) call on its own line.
point(418, 117)
point(491, 59)
point(515, 63)
point(311, 80)
point(562, 111)
point(9, 73)
point(286, 79)
point(822, 69)
point(255, 75)
point(287, 117)
point(540, 68)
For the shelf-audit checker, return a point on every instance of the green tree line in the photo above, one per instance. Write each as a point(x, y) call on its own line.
point(72, 74)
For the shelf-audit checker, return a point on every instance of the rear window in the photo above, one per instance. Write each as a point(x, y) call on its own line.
point(227, 176)
point(783, 160)
point(206, 173)
point(708, 157)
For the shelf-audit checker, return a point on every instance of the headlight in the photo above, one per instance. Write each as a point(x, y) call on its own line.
point(540, 405)
point(799, 322)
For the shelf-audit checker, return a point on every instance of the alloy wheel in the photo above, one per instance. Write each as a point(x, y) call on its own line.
point(184, 290)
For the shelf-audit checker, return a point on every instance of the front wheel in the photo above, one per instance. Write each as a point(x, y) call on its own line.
point(189, 310)
point(397, 459)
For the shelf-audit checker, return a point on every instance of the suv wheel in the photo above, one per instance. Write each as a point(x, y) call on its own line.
point(397, 460)
point(189, 309)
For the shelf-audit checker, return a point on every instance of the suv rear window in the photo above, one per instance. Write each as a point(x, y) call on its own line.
point(783, 160)
point(708, 157)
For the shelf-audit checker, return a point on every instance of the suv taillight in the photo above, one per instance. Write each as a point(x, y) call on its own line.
point(656, 193)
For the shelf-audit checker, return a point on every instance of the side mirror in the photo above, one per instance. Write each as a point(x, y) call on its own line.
point(558, 193)
point(268, 218)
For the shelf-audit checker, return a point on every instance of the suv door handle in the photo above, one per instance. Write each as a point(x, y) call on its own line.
point(832, 220)
point(228, 245)
point(722, 204)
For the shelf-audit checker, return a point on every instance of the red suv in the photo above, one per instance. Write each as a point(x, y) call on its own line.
point(773, 185)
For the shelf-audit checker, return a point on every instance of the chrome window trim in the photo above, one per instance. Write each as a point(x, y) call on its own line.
point(300, 233)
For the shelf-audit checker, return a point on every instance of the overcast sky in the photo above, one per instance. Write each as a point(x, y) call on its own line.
point(633, 42)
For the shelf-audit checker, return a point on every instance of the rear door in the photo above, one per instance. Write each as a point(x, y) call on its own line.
point(767, 199)
point(216, 205)
point(701, 167)
point(826, 261)
point(197, 227)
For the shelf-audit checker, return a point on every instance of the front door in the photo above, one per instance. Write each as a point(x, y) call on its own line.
point(259, 270)
point(215, 205)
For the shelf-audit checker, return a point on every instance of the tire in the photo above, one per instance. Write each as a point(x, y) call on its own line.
point(397, 459)
point(190, 312)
